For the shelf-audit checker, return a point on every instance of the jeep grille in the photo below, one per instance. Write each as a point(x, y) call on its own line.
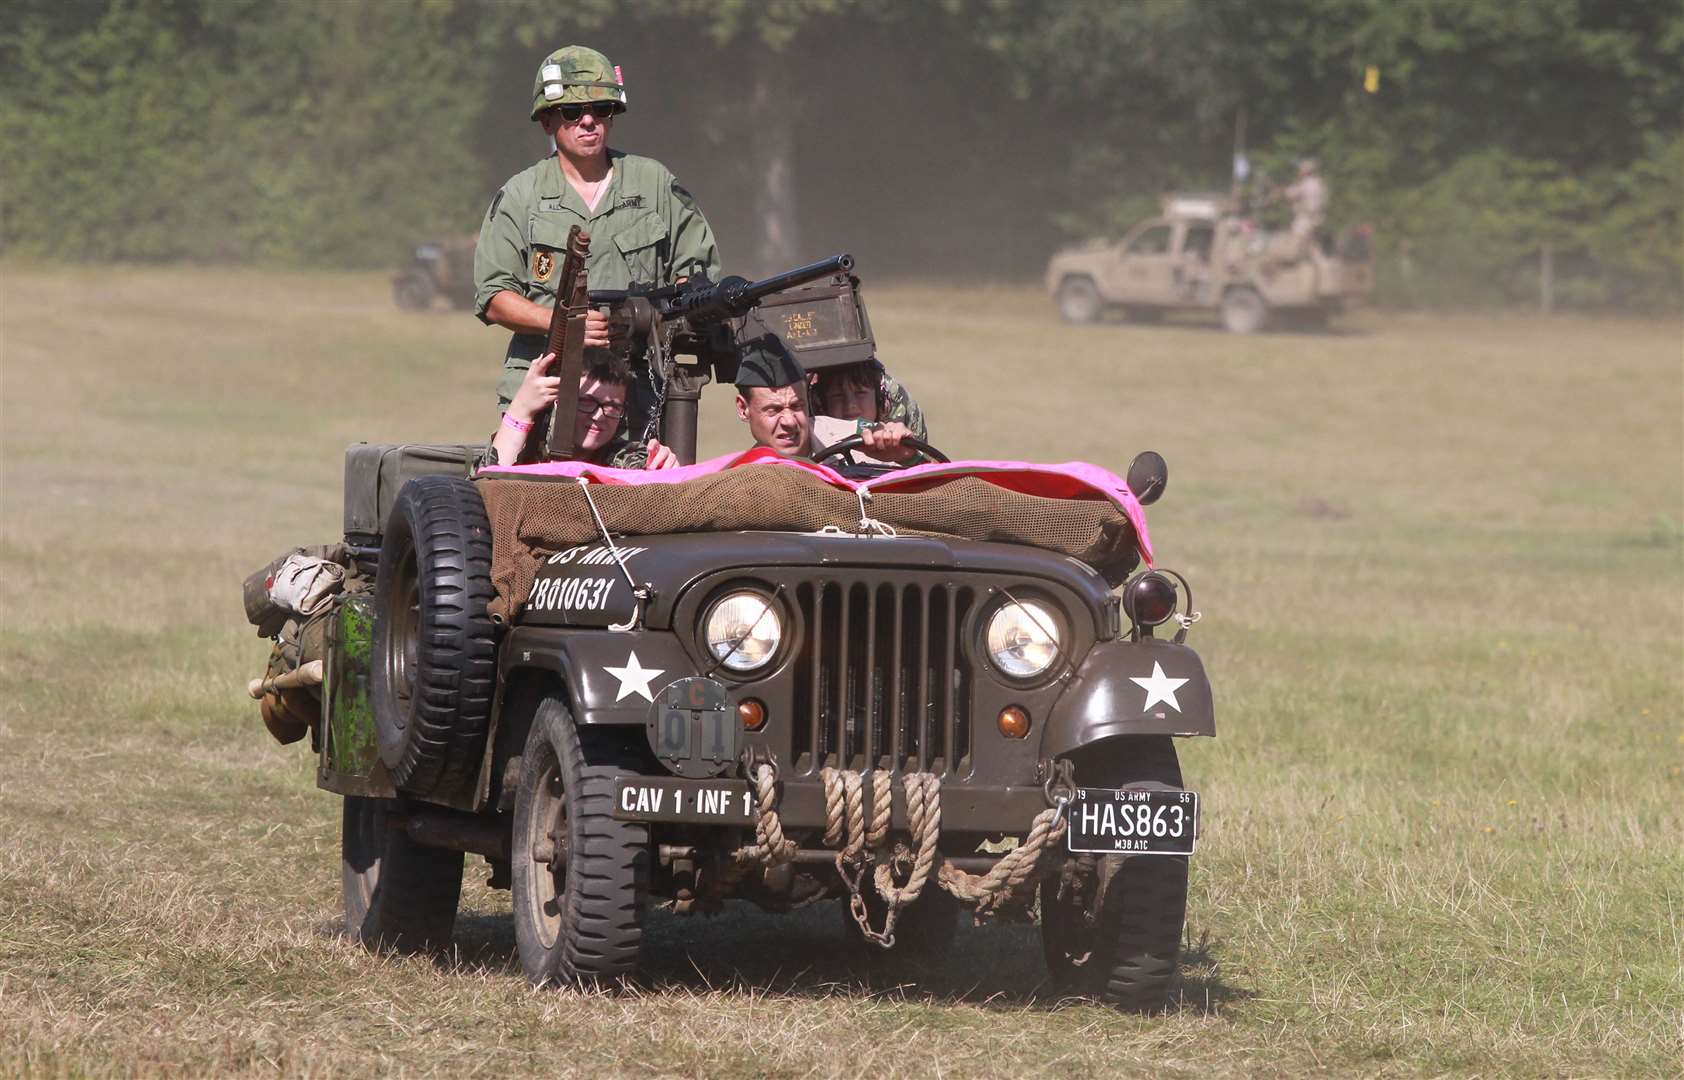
point(884, 677)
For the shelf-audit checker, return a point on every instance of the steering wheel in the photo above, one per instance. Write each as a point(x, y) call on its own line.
point(855, 442)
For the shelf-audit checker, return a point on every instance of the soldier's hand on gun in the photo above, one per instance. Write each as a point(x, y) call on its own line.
point(885, 442)
point(538, 390)
point(599, 332)
point(660, 457)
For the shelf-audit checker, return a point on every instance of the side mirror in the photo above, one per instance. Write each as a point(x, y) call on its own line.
point(1148, 476)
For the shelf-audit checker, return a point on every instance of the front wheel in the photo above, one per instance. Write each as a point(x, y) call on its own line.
point(1078, 300)
point(1116, 934)
point(399, 895)
point(1244, 311)
point(413, 291)
point(578, 875)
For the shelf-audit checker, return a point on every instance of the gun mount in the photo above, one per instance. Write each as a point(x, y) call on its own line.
point(688, 335)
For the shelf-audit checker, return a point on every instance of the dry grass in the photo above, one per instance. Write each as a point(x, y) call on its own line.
point(1442, 568)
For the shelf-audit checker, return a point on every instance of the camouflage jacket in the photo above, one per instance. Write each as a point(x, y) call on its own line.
point(897, 406)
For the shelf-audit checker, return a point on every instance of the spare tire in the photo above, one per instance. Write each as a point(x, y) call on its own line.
point(434, 668)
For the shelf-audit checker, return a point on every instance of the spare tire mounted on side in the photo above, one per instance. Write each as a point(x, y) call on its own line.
point(434, 664)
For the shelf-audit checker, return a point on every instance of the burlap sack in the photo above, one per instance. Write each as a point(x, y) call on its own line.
point(531, 519)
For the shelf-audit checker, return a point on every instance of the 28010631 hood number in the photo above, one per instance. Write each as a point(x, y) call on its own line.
point(571, 594)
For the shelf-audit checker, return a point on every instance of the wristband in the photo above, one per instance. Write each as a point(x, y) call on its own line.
point(519, 425)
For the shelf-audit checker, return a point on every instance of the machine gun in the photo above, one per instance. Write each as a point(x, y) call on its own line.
point(685, 332)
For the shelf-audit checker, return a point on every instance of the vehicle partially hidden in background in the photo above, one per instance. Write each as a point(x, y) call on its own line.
point(739, 708)
point(441, 268)
point(1202, 253)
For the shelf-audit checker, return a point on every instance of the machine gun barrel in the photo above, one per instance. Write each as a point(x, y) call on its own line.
point(735, 297)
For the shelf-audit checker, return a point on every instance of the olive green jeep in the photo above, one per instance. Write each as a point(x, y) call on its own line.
point(912, 724)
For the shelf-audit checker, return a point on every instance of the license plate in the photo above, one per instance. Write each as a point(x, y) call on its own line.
point(698, 802)
point(1132, 822)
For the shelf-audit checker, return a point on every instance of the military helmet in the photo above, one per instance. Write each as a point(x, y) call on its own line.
point(575, 75)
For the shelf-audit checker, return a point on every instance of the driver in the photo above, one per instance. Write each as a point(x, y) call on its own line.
point(772, 399)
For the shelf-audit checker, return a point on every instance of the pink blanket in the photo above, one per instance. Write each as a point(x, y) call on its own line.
point(1070, 480)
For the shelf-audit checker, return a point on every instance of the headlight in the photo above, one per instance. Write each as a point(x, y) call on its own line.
point(743, 631)
point(1023, 639)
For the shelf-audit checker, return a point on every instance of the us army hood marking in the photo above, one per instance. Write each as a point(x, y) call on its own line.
point(1159, 687)
point(634, 679)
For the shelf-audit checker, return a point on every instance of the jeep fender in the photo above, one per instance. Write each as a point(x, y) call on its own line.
point(583, 659)
point(1107, 696)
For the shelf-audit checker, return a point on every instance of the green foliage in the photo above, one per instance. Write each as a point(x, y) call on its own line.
point(322, 132)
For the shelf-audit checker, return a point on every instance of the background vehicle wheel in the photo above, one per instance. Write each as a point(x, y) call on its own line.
point(1078, 300)
point(434, 666)
point(413, 291)
point(1129, 956)
point(399, 895)
point(1244, 311)
point(578, 876)
point(923, 930)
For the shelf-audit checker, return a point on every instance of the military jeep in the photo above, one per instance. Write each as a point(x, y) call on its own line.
point(913, 724)
point(441, 268)
point(1204, 254)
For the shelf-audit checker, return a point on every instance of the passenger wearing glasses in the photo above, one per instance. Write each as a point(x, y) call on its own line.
point(644, 227)
point(597, 435)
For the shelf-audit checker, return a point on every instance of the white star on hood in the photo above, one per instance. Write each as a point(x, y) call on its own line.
point(1159, 687)
point(634, 679)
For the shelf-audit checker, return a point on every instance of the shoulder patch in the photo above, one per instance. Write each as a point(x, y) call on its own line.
point(684, 198)
point(496, 201)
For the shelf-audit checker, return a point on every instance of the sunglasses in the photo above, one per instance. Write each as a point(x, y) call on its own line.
point(573, 113)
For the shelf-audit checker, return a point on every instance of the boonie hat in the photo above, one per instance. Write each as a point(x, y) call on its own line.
point(575, 75)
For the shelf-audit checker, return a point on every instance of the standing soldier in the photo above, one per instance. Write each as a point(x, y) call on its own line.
point(644, 227)
point(1308, 196)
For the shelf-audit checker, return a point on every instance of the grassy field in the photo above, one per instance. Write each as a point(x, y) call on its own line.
point(1441, 566)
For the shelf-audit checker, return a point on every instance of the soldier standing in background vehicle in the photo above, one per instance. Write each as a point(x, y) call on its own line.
point(644, 227)
point(1308, 196)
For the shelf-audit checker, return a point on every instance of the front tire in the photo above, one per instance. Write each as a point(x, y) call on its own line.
point(579, 876)
point(1129, 956)
point(413, 291)
point(399, 895)
point(1079, 301)
point(1244, 311)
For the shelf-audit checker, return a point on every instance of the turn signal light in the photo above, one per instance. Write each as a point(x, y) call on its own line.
point(1014, 722)
point(1149, 599)
point(752, 714)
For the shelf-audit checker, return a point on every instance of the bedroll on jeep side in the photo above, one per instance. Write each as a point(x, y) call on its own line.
point(950, 688)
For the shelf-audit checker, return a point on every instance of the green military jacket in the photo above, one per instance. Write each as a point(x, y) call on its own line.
point(646, 229)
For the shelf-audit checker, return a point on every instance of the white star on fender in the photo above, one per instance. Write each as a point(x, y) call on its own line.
point(634, 679)
point(1159, 687)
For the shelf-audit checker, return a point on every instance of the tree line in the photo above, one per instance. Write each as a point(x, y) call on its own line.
point(962, 138)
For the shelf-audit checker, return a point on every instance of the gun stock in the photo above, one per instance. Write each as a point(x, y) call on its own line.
point(567, 340)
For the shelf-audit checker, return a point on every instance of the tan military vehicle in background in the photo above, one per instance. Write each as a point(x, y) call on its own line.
point(442, 268)
point(1202, 253)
